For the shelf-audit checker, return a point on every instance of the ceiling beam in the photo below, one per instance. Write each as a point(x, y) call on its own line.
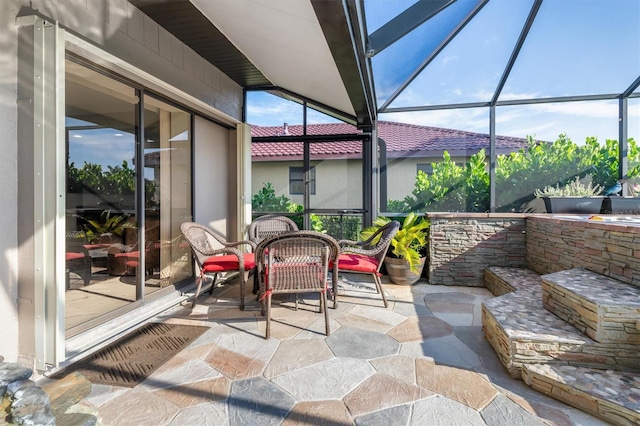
point(340, 23)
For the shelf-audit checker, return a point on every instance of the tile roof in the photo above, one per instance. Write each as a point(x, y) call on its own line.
point(401, 140)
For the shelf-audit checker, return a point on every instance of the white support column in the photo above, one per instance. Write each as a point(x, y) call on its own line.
point(48, 192)
point(243, 159)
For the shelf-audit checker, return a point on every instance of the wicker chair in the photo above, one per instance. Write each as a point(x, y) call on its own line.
point(215, 255)
point(295, 262)
point(268, 226)
point(365, 257)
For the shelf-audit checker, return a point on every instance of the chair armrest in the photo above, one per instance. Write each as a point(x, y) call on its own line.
point(119, 248)
point(242, 242)
point(372, 252)
point(349, 243)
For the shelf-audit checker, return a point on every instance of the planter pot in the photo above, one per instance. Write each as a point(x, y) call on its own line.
point(621, 205)
point(579, 205)
point(399, 272)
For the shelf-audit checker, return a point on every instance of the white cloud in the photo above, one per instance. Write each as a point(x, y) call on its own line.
point(450, 58)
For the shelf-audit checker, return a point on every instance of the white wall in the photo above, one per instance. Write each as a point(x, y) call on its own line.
point(9, 330)
point(211, 181)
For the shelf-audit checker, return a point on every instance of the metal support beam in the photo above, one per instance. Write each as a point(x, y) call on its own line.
point(403, 24)
point(433, 54)
point(516, 50)
point(382, 145)
point(623, 141)
point(603, 97)
point(631, 88)
point(340, 22)
point(139, 196)
point(492, 159)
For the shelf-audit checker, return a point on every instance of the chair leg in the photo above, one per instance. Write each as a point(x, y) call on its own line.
point(323, 305)
point(213, 284)
point(379, 288)
point(243, 283)
point(195, 297)
point(335, 278)
point(268, 325)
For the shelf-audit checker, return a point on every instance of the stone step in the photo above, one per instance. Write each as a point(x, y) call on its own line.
point(611, 395)
point(522, 332)
point(603, 308)
point(501, 280)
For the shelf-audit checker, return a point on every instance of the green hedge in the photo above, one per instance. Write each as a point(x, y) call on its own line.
point(454, 187)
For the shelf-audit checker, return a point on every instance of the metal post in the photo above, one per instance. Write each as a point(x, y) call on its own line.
point(623, 139)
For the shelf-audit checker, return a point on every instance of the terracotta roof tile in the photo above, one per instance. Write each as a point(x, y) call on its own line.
point(400, 138)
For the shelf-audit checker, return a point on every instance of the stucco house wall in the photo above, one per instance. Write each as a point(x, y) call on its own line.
point(338, 186)
point(338, 182)
point(135, 40)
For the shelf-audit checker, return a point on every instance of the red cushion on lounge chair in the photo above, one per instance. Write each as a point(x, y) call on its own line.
point(228, 263)
point(128, 255)
point(357, 263)
point(70, 255)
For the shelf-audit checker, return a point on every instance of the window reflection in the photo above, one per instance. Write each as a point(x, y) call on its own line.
point(109, 263)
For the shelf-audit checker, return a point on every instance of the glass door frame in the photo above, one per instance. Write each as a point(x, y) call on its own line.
point(366, 212)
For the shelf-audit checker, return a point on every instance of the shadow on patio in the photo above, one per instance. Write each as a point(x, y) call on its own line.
point(424, 360)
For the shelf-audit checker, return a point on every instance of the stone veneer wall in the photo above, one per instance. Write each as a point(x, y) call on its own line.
point(610, 249)
point(462, 245)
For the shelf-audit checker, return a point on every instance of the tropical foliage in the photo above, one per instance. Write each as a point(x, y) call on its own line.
point(266, 201)
point(116, 185)
point(409, 243)
point(107, 224)
point(465, 187)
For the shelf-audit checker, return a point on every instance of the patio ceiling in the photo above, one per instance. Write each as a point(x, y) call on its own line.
point(418, 54)
point(303, 47)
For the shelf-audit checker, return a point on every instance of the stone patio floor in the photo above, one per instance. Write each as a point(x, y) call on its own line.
point(421, 361)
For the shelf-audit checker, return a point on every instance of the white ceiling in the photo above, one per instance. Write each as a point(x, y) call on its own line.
point(284, 40)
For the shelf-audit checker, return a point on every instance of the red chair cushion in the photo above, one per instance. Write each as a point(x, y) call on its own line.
point(358, 263)
point(70, 255)
point(228, 263)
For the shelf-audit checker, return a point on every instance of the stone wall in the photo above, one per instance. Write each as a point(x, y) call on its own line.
point(462, 246)
point(603, 246)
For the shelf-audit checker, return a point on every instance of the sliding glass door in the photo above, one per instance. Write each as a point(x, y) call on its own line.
point(128, 189)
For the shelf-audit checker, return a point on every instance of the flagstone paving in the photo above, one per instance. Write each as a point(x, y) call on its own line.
point(421, 361)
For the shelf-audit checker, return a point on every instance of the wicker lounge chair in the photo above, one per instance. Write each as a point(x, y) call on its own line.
point(365, 257)
point(215, 255)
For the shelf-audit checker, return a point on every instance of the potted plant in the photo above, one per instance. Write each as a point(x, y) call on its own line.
point(577, 196)
point(618, 203)
point(108, 230)
point(405, 259)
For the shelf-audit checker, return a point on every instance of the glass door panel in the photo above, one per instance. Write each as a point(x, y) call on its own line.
point(167, 177)
point(336, 188)
point(100, 201)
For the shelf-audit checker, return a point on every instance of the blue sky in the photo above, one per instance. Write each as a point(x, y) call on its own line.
point(575, 47)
